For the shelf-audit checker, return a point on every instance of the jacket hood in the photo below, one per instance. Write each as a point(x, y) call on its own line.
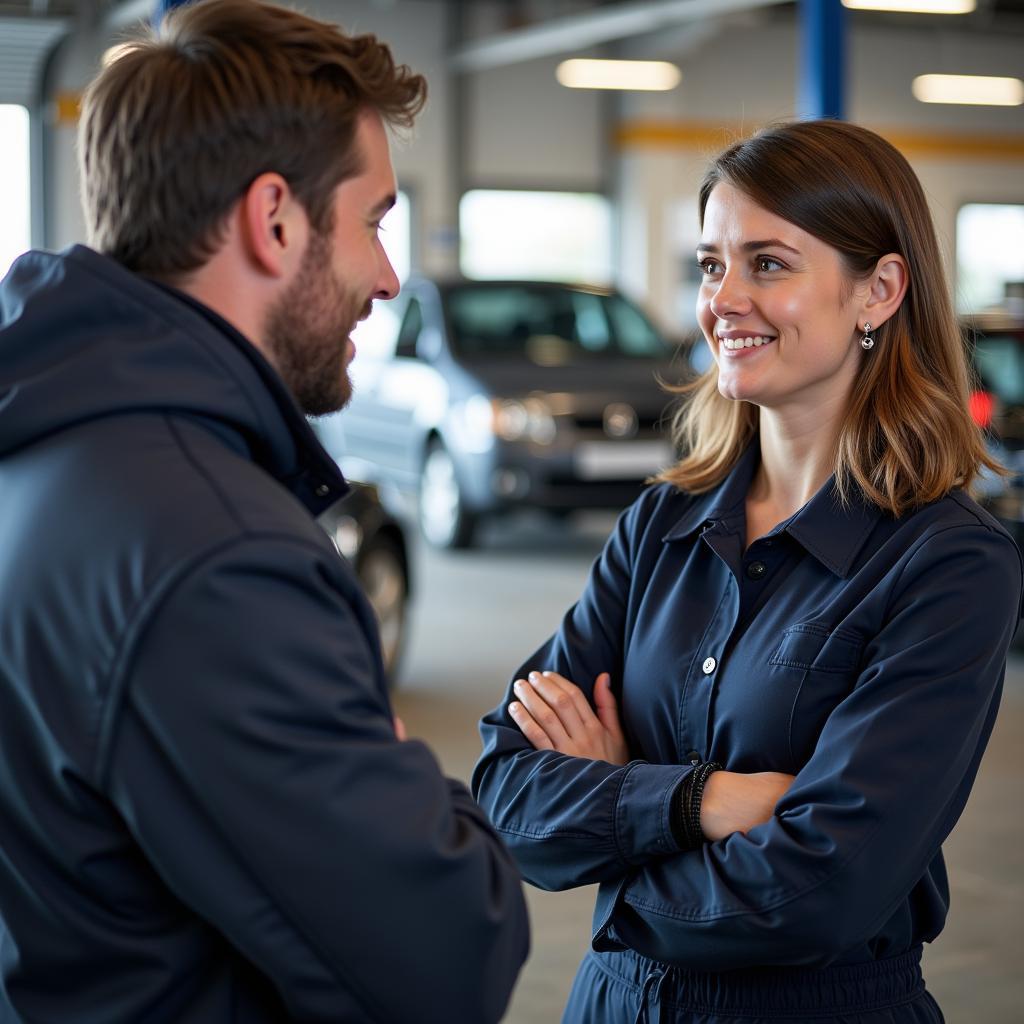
point(81, 337)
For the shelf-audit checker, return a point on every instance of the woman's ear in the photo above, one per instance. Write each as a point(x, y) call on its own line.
point(886, 288)
point(275, 228)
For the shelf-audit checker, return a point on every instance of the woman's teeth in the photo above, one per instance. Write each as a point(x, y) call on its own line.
point(754, 342)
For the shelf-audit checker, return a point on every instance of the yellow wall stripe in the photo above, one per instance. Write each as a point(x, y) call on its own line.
point(705, 135)
point(66, 108)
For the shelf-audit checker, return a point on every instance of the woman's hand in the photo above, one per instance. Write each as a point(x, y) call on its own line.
point(735, 802)
point(553, 714)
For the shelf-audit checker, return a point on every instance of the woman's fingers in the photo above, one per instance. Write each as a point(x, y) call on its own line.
point(528, 727)
point(553, 713)
point(604, 701)
point(541, 711)
point(564, 699)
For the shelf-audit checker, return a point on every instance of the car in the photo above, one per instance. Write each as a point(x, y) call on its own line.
point(372, 539)
point(480, 397)
point(997, 404)
point(996, 342)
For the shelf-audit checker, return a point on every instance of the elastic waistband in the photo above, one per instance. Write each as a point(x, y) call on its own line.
point(773, 991)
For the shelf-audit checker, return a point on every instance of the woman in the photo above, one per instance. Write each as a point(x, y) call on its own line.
point(803, 627)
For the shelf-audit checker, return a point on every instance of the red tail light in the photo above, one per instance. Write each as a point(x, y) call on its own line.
point(981, 405)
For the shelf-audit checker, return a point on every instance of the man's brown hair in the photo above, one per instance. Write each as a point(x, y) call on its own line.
point(174, 131)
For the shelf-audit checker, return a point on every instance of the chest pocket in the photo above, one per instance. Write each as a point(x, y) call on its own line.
point(819, 668)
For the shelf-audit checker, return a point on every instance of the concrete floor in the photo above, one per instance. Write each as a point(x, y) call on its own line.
point(477, 615)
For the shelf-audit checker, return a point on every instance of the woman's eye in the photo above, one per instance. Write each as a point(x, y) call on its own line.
point(766, 263)
point(708, 266)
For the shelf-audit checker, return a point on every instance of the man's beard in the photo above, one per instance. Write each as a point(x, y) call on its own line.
point(307, 331)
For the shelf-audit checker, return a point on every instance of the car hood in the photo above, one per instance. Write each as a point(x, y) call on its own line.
point(635, 381)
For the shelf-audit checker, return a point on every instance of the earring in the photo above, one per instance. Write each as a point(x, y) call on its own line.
point(867, 342)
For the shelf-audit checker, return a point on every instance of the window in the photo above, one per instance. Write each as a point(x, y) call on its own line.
point(989, 256)
point(396, 235)
point(15, 221)
point(551, 236)
point(374, 337)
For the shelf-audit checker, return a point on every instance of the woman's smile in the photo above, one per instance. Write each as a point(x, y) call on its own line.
point(740, 344)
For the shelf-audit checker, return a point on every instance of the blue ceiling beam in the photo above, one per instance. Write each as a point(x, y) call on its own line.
point(822, 86)
point(161, 7)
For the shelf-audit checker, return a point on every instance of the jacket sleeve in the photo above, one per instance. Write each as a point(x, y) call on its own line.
point(571, 821)
point(888, 779)
point(254, 760)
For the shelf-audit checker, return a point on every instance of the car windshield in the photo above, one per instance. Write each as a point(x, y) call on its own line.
point(548, 326)
point(999, 360)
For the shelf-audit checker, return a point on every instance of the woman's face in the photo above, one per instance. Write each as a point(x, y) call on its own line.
point(777, 309)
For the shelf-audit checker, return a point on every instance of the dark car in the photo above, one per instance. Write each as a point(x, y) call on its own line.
point(485, 396)
point(997, 405)
point(372, 540)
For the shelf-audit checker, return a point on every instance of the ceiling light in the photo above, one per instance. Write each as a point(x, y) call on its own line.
point(974, 89)
point(914, 6)
point(648, 75)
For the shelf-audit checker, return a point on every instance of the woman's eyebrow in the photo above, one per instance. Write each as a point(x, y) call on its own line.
point(761, 243)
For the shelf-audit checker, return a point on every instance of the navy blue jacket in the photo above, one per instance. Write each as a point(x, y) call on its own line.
point(863, 654)
point(205, 815)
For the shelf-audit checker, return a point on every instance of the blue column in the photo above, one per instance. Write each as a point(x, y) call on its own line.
point(822, 90)
point(161, 7)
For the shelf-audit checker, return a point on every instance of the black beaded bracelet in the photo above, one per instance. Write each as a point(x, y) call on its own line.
point(691, 796)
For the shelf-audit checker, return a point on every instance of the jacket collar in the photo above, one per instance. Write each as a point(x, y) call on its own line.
point(724, 504)
point(830, 531)
point(294, 454)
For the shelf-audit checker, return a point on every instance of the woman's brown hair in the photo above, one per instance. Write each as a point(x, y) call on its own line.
point(175, 130)
point(907, 437)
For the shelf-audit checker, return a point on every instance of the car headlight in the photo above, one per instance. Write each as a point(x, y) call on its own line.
point(347, 536)
point(474, 422)
point(530, 419)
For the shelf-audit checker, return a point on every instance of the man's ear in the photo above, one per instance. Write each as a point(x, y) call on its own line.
point(274, 226)
point(886, 288)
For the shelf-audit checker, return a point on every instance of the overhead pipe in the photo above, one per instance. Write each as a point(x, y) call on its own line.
point(579, 31)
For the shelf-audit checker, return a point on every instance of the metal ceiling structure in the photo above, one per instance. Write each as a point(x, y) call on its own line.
point(605, 23)
point(593, 24)
point(25, 45)
point(30, 29)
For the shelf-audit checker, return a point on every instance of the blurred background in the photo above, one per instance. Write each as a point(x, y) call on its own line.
point(511, 401)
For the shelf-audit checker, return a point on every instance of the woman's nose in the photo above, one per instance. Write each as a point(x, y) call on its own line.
point(731, 296)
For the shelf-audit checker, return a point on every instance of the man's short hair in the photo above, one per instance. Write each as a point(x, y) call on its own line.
point(175, 130)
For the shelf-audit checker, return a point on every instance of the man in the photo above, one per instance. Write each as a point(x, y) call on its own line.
point(205, 812)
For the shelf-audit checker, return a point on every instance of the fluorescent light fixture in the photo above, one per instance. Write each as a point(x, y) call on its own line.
point(646, 75)
point(979, 90)
point(914, 6)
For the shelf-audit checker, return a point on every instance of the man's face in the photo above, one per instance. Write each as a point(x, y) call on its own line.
point(343, 270)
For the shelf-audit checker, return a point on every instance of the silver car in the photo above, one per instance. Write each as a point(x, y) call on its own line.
point(479, 397)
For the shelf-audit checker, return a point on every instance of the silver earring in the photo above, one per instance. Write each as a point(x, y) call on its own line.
point(867, 342)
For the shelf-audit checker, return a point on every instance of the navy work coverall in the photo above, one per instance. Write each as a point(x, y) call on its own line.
point(205, 815)
point(863, 654)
